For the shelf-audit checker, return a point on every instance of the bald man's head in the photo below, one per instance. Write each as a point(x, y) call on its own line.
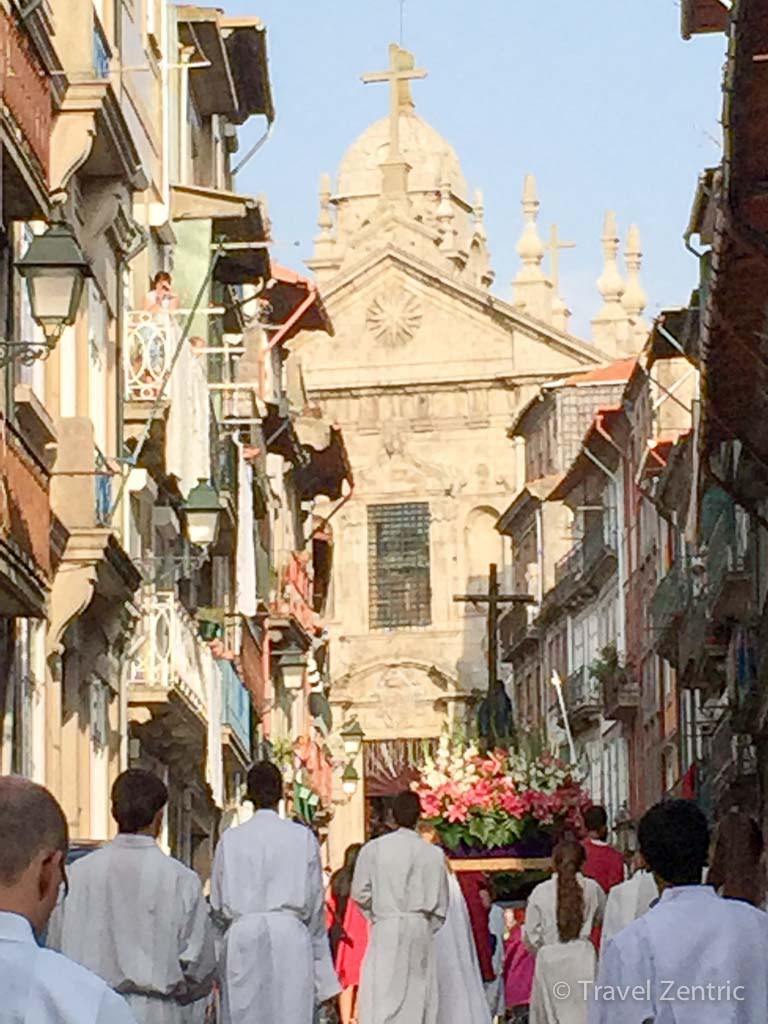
point(31, 822)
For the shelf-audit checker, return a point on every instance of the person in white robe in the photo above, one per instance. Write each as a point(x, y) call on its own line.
point(693, 958)
point(494, 990)
point(268, 901)
point(461, 993)
point(39, 986)
point(401, 886)
point(137, 917)
point(629, 900)
point(565, 957)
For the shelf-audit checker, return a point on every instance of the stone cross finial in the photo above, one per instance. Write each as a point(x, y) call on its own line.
point(611, 325)
point(401, 71)
point(532, 290)
point(530, 248)
point(610, 283)
point(634, 298)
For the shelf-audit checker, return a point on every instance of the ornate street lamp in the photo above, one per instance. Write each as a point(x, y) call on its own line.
point(352, 736)
point(202, 511)
point(54, 268)
point(350, 780)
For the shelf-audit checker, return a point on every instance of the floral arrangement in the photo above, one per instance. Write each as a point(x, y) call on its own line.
point(499, 799)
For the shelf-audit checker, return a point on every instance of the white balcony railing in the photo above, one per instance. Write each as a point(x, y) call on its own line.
point(150, 341)
point(171, 655)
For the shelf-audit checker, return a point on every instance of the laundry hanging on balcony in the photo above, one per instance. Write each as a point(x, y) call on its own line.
point(246, 550)
point(188, 432)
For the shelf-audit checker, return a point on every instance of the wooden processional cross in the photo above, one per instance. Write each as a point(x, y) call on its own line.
point(495, 601)
point(401, 71)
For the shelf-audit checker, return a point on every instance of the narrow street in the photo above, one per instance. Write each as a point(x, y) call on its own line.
point(384, 518)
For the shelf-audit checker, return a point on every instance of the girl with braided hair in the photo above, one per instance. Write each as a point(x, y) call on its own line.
point(559, 919)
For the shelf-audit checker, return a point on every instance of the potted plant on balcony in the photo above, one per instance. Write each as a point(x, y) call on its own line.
point(501, 804)
point(611, 674)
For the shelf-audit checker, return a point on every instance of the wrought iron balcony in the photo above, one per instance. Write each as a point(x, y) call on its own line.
point(583, 698)
point(621, 693)
point(570, 565)
point(172, 664)
point(583, 569)
point(517, 627)
point(150, 343)
point(668, 606)
point(728, 589)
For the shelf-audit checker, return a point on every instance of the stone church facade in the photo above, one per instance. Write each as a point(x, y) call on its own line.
point(425, 374)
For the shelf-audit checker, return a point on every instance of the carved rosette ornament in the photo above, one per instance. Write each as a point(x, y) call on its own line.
point(394, 317)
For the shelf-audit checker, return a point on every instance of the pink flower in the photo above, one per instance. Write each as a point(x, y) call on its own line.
point(456, 813)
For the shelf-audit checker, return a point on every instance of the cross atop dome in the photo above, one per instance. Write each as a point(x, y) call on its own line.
point(402, 70)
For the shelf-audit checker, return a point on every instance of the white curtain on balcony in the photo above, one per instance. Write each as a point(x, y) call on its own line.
point(188, 432)
point(246, 551)
point(214, 768)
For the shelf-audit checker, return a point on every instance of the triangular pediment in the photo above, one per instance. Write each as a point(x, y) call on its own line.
point(401, 320)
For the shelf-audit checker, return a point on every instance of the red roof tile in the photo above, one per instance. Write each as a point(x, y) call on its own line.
point(617, 372)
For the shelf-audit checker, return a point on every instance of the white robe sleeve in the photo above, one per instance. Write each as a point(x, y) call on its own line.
point(601, 902)
point(55, 926)
point(440, 913)
point(622, 967)
point(113, 1009)
point(197, 955)
point(326, 982)
point(533, 929)
point(362, 883)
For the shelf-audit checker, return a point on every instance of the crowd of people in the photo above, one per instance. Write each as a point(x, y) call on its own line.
point(126, 933)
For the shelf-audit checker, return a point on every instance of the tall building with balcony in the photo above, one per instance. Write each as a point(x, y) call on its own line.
point(164, 566)
point(547, 541)
point(32, 539)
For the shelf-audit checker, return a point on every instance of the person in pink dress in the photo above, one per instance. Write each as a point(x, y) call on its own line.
point(519, 966)
point(348, 933)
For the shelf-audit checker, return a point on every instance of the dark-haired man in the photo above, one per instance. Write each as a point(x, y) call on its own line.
point(137, 917)
point(693, 958)
point(604, 863)
point(401, 885)
point(268, 900)
point(38, 986)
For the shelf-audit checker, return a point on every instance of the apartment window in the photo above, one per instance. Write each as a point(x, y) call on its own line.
point(398, 565)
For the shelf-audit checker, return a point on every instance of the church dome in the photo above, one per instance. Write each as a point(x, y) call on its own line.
point(431, 159)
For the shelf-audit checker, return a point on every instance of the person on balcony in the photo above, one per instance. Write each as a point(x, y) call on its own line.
point(137, 917)
point(161, 298)
point(268, 903)
point(559, 919)
point(39, 986)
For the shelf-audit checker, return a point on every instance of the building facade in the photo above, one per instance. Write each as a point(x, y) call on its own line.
point(164, 570)
point(429, 367)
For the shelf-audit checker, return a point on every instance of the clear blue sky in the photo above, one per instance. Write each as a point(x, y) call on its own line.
point(601, 99)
